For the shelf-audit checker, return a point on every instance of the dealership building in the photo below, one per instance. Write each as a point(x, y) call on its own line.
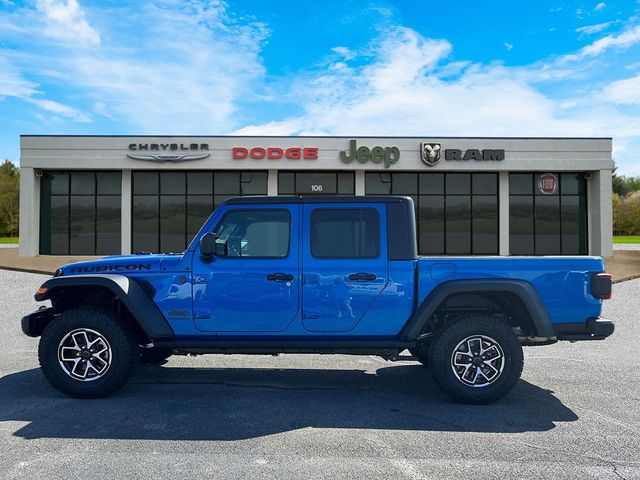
point(100, 195)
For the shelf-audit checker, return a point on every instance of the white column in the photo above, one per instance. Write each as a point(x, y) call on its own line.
point(601, 217)
point(125, 216)
point(359, 182)
point(503, 213)
point(29, 213)
point(272, 183)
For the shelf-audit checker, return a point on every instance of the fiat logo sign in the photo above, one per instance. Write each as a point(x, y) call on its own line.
point(548, 184)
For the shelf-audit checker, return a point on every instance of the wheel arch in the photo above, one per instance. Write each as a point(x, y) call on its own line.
point(132, 295)
point(515, 297)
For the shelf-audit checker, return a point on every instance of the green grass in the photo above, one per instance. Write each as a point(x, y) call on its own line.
point(9, 239)
point(627, 239)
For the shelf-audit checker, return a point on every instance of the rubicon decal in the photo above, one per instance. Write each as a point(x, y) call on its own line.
point(275, 153)
point(110, 268)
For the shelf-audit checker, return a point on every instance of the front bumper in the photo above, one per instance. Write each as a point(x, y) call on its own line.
point(33, 324)
point(594, 329)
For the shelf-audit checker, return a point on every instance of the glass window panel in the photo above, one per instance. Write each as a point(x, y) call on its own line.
point(316, 183)
point(59, 183)
point(226, 183)
point(59, 225)
point(258, 233)
point(458, 184)
point(521, 225)
point(405, 184)
point(200, 183)
point(253, 183)
point(199, 207)
point(572, 184)
point(346, 183)
point(345, 233)
point(172, 183)
point(431, 225)
point(286, 183)
point(108, 215)
point(83, 183)
point(431, 183)
point(458, 224)
point(377, 183)
point(82, 226)
point(547, 225)
point(109, 183)
point(484, 226)
point(520, 184)
point(485, 184)
point(172, 223)
point(574, 225)
point(145, 183)
point(145, 224)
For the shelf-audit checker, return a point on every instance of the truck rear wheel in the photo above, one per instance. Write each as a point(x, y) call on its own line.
point(476, 359)
point(87, 352)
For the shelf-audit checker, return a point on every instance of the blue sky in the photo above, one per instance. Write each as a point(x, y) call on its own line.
point(425, 68)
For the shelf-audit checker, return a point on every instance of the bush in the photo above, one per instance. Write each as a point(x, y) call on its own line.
point(626, 214)
point(9, 199)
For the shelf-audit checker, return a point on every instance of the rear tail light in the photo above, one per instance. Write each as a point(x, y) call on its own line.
point(601, 286)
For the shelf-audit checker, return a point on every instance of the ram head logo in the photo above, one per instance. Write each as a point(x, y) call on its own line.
point(430, 153)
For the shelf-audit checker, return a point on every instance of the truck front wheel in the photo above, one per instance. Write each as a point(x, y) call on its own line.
point(476, 359)
point(87, 352)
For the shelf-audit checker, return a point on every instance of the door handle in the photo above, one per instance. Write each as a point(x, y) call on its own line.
point(362, 277)
point(279, 277)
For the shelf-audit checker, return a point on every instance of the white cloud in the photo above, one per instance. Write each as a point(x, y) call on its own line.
point(591, 29)
point(11, 82)
point(403, 92)
point(627, 38)
point(508, 46)
point(65, 20)
point(59, 109)
point(625, 91)
point(600, 6)
point(171, 67)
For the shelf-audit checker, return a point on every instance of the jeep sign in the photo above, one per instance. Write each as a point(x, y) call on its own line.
point(388, 155)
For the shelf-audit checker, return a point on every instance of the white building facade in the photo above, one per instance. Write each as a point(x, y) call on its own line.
point(100, 195)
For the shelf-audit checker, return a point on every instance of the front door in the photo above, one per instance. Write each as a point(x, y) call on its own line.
point(252, 284)
point(344, 263)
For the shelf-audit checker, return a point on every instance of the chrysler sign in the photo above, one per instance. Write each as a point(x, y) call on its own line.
point(197, 151)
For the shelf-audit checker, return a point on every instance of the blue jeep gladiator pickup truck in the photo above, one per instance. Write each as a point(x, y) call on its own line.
point(341, 275)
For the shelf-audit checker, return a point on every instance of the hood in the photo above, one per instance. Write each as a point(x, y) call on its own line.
point(122, 264)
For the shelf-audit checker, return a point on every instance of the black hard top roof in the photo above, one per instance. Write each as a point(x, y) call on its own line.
point(328, 199)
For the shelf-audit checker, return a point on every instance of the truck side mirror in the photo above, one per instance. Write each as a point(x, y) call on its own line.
point(208, 246)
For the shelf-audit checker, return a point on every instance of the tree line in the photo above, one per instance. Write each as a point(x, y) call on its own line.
point(9, 199)
point(626, 204)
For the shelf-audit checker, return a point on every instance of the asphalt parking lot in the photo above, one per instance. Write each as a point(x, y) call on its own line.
point(575, 414)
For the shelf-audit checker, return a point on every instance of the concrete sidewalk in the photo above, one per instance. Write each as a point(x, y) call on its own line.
point(9, 260)
point(624, 265)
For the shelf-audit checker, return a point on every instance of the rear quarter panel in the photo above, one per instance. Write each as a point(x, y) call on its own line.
point(563, 283)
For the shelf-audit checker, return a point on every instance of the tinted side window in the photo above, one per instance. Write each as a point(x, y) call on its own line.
point(255, 233)
point(345, 233)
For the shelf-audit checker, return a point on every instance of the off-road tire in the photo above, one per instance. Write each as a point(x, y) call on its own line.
point(121, 340)
point(448, 338)
point(154, 355)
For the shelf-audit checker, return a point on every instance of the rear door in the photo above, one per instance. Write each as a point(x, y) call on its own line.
point(344, 263)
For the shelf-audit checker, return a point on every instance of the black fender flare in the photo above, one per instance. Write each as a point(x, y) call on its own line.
point(523, 290)
point(129, 292)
